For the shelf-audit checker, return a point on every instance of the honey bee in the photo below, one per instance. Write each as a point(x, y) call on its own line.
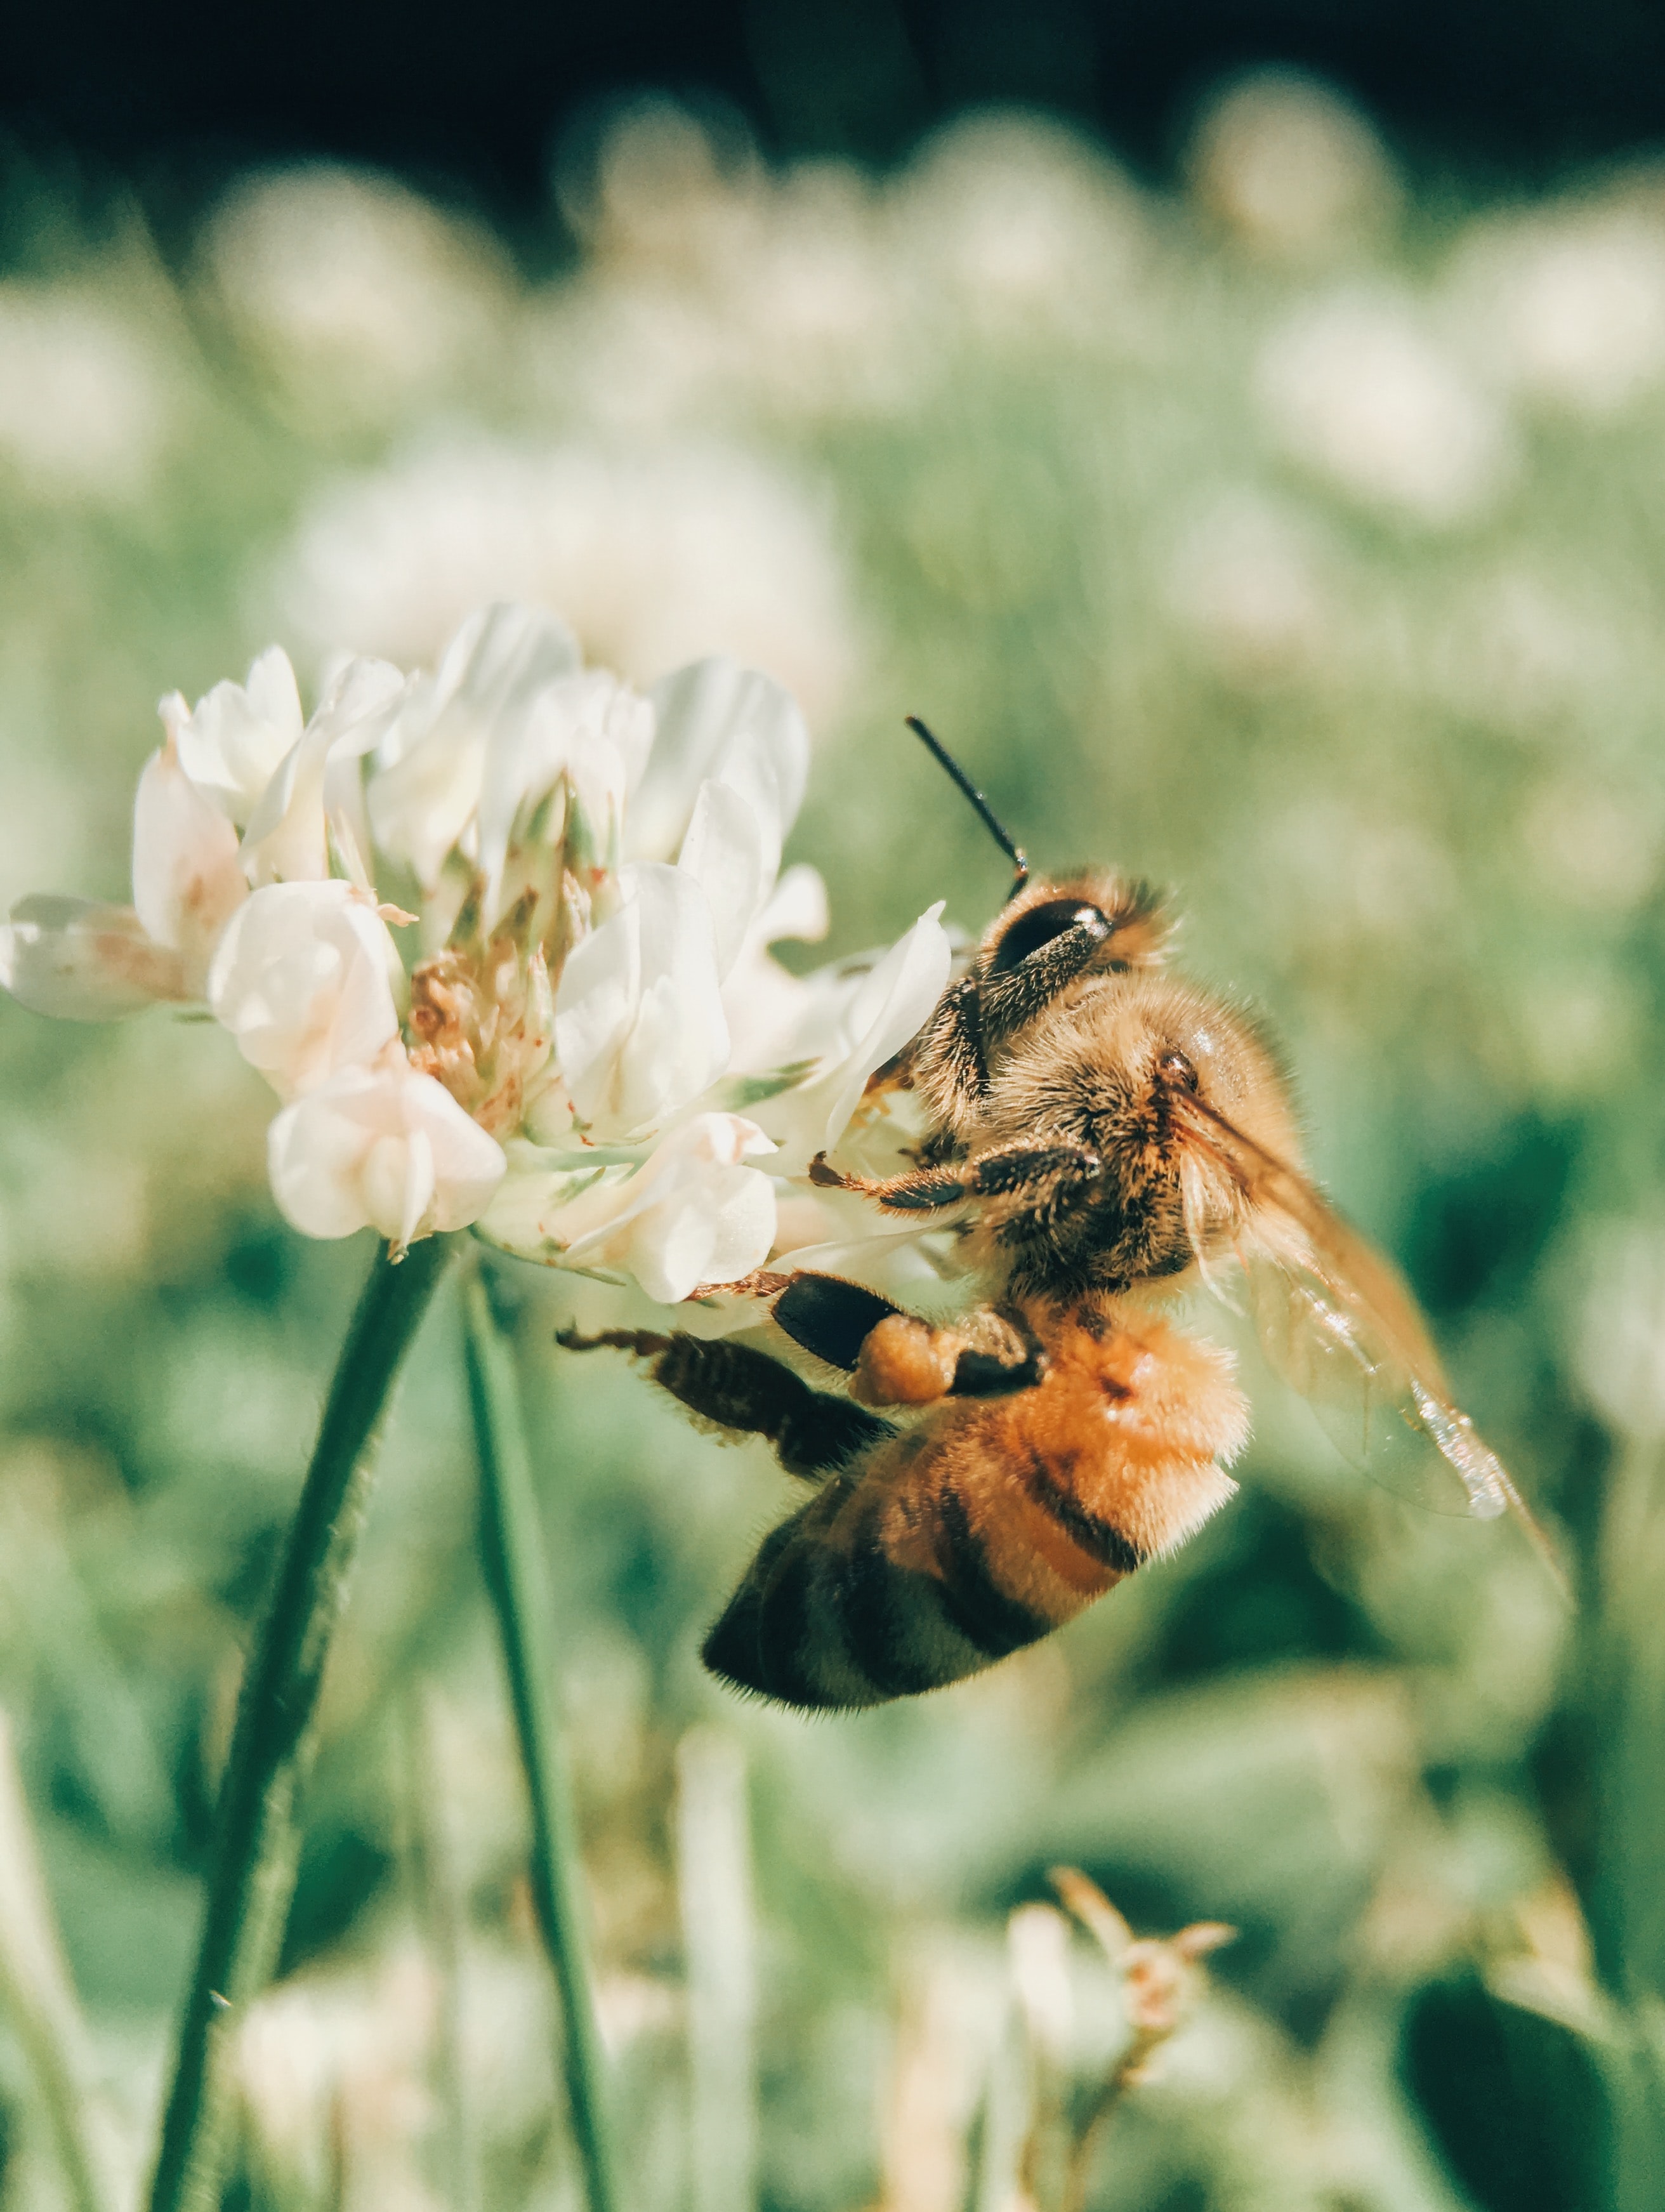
point(1101, 1132)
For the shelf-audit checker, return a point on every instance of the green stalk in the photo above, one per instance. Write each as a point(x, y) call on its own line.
point(511, 1552)
point(257, 1839)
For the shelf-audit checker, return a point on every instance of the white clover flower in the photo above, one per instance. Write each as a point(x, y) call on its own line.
point(302, 978)
point(1290, 166)
point(655, 552)
point(593, 1050)
point(1357, 387)
point(86, 401)
point(382, 1148)
point(231, 743)
point(316, 793)
point(1568, 309)
point(85, 960)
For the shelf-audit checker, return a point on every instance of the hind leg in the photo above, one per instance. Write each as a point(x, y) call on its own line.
point(744, 1391)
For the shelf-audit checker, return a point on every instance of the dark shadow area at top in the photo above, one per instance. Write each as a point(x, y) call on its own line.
point(173, 93)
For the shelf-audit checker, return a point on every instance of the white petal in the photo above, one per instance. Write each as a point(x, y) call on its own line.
point(433, 762)
point(797, 909)
point(693, 1213)
point(186, 880)
point(776, 1017)
point(287, 836)
point(892, 1006)
point(84, 961)
point(468, 1164)
point(730, 855)
point(301, 979)
point(854, 1026)
point(383, 1148)
point(639, 1024)
point(231, 743)
point(716, 721)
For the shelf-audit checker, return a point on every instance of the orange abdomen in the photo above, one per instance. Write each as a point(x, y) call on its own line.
point(989, 1525)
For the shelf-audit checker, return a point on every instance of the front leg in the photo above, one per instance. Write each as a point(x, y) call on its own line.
point(1013, 990)
point(1023, 1178)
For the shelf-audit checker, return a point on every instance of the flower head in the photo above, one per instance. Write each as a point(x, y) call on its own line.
point(579, 1040)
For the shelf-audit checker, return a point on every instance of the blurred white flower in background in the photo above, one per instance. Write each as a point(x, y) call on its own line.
point(1290, 166)
point(596, 872)
point(1569, 308)
point(1525, 644)
point(1028, 230)
point(360, 297)
point(1356, 385)
point(707, 280)
point(1601, 850)
point(1250, 577)
point(654, 555)
point(1621, 1339)
point(712, 289)
point(85, 411)
point(334, 2072)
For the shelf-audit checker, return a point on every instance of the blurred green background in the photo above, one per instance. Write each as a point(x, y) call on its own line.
point(1292, 534)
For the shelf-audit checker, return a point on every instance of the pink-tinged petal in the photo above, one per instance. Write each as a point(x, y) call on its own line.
point(639, 1023)
point(186, 880)
point(302, 978)
point(720, 722)
point(468, 1163)
point(84, 961)
point(382, 1148)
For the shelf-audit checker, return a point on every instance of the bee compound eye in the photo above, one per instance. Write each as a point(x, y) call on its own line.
point(1175, 1068)
point(1039, 926)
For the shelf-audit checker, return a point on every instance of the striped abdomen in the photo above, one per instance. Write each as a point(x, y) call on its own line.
point(942, 1549)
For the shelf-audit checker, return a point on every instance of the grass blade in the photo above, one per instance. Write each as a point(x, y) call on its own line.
point(517, 1578)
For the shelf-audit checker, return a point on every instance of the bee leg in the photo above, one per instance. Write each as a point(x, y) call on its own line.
point(1003, 1354)
point(949, 1051)
point(742, 1391)
point(907, 1361)
point(830, 1318)
point(1040, 1175)
point(1009, 1001)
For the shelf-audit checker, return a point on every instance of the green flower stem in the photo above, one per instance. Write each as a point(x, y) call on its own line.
point(517, 1577)
point(256, 1838)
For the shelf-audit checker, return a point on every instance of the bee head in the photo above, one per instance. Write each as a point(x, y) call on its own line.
point(1128, 918)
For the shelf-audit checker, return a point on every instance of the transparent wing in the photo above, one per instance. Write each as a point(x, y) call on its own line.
point(1338, 1323)
point(1382, 1414)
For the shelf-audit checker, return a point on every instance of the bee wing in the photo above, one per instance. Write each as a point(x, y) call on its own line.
point(1338, 1323)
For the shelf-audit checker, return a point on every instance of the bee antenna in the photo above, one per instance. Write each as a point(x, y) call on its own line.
point(986, 813)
